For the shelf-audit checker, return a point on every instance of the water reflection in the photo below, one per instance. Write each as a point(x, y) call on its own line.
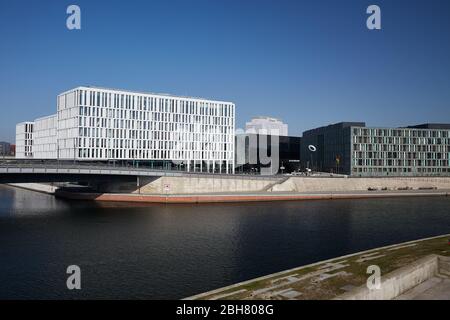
point(173, 251)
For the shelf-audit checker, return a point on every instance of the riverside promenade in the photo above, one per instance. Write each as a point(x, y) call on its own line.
point(238, 188)
point(417, 269)
point(66, 193)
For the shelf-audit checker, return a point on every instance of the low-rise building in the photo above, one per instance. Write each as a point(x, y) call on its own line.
point(354, 149)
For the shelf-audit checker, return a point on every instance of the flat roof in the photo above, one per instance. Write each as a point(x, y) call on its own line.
point(266, 118)
point(149, 93)
point(338, 124)
point(45, 117)
point(431, 126)
point(425, 126)
point(24, 122)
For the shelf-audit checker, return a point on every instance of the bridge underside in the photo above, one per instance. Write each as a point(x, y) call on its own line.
point(52, 177)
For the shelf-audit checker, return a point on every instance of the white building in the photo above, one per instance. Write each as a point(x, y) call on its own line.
point(44, 137)
point(24, 140)
point(99, 124)
point(266, 125)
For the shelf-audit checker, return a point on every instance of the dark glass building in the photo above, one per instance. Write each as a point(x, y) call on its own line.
point(352, 148)
point(254, 152)
point(332, 147)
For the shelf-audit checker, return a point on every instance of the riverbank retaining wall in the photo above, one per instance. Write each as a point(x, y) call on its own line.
point(189, 185)
point(312, 184)
point(399, 281)
point(204, 184)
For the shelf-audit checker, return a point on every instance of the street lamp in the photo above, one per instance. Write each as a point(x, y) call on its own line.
point(282, 167)
point(312, 149)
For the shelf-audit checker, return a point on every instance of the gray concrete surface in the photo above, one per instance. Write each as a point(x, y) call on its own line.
point(436, 288)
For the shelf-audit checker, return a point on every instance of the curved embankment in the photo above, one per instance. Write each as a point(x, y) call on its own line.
point(254, 197)
point(212, 189)
point(409, 270)
point(203, 184)
point(322, 184)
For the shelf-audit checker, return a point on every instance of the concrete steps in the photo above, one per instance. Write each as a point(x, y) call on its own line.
point(270, 186)
point(444, 266)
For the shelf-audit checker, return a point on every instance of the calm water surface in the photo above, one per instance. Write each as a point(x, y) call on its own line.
point(174, 251)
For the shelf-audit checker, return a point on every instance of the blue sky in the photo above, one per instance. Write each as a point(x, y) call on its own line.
point(310, 63)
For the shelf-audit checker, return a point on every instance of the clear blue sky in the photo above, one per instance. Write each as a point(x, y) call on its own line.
point(310, 63)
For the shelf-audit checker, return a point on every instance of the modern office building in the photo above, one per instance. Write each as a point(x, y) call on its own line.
point(328, 148)
point(257, 152)
point(352, 148)
point(24, 140)
point(160, 130)
point(266, 125)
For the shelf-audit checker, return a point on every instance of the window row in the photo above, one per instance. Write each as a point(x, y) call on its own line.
point(152, 103)
point(383, 133)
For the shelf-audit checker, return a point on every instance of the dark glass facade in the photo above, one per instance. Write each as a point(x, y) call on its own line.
point(332, 145)
point(257, 145)
point(351, 148)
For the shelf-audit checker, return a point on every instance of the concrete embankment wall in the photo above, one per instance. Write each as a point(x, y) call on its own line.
point(218, 184)
point(38, 187)
point(242, 184)
point(193, 185)
point(399, 281)
point(312, 184)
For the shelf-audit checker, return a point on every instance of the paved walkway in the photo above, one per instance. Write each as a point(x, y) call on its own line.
point(334, 278)
point(436, 288)
point(245, 196)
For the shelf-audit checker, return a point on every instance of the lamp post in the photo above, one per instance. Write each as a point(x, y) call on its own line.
point(312, 149)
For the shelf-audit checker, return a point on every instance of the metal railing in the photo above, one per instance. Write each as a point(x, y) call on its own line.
point(120, 167)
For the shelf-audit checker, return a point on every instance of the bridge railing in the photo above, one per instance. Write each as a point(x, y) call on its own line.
point(117, 167)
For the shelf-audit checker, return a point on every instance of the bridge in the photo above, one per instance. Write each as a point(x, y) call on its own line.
point(24, 171)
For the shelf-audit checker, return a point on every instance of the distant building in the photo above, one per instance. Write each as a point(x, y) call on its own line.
point(352, 148)
point(5, 149)
point(13, 150)
point(266, 125)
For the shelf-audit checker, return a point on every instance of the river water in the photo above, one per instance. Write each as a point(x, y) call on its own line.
point(136, 251)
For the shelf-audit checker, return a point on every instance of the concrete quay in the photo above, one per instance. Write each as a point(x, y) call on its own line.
point(418, 269)
point(241, 197)
point(203, 184)
point(38, 187)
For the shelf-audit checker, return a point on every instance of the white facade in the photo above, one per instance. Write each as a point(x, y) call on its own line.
point(24, 140)
point(44, 138)
point(266, 125)
point(99, 124)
